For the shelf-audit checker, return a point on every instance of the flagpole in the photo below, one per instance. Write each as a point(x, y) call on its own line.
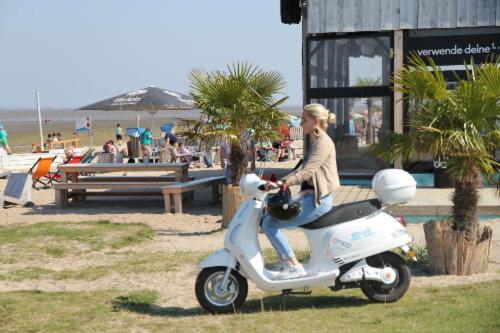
point(39, 118)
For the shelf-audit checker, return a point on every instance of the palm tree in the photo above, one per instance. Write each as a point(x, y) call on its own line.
point(461, 126)
point(239, 102)
point(239, 105)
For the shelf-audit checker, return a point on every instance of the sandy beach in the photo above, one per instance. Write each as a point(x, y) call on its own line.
point(197, 229)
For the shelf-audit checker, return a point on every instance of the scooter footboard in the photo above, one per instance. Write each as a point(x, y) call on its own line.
point(220, 257)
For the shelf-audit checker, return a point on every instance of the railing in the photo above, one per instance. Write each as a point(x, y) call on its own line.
point(62, 144)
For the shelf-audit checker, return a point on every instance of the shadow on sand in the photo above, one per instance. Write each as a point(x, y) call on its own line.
point(265, 304)
point(116, 205)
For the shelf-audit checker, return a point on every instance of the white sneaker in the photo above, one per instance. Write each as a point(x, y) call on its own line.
point(278, 267)
point(291, 272)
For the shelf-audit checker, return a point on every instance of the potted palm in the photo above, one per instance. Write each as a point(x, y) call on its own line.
point(461, 125)
point(238, 105)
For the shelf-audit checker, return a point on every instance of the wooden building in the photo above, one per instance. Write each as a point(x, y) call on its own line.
point(352, 47)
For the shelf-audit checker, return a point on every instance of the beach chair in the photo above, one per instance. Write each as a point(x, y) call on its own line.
point(76, 159)
point(88, 156)
point(106, 158)
point(40, 171)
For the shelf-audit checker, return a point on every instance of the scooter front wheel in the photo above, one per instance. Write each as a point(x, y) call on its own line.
point(215, 299)
point(382, 292)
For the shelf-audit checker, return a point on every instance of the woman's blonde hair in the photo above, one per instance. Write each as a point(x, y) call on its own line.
point(318, 111)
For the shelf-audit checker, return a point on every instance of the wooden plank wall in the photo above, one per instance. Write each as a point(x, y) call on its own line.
point(378, 15)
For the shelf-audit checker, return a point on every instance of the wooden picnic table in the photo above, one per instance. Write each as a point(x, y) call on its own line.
point(70, 172)
point(76, 182)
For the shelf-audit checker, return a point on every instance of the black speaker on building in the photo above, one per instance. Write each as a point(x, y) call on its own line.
point(290, 11)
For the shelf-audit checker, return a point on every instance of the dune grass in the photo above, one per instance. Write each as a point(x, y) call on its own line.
point(470, 308)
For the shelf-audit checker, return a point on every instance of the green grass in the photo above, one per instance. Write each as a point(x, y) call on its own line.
point(471, 308)
point(61, 239)
point(124, 263)
point(27, 252)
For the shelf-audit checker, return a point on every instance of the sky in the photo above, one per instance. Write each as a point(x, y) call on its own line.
point(78, 52)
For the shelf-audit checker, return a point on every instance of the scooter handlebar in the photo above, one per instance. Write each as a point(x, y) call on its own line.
point(279, 183)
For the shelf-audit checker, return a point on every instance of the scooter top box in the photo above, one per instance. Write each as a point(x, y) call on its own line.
point(394, 186)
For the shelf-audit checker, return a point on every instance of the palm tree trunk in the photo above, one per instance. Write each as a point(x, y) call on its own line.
point(460, 247)
point(456, 252)
point(465, 199)
point(231, 195)
point(239, 162)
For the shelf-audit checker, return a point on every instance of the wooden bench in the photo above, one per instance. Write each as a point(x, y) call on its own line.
point(132, 179)
point(79, 189)
point(173, 192)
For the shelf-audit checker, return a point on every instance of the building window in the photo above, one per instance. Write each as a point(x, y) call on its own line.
point(349, 62)
point(350, 75)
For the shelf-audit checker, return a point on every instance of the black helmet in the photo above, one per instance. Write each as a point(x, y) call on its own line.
point(280, 205)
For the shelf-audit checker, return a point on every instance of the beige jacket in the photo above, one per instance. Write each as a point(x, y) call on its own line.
point(319, 168)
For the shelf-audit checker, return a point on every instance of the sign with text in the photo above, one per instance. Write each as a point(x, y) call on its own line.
point(456, 50)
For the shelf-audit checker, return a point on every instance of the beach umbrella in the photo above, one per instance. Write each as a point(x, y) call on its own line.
point(294, 121)
point(167, 127)
point(150, 99)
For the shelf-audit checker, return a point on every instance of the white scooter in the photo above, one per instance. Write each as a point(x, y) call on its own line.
point(350, 247)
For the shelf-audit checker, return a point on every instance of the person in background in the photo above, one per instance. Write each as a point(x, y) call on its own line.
point(263, 150)
point(118, 133)
point(68, 154)
point(49, 138)
point(113, 148)
point(54, 138)
point(187, 156)
point(225, 159)
point(146, 140)
point(4, 145)
point(171, 139)
point(59, 136)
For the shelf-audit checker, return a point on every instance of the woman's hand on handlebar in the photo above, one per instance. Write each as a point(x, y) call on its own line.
point(271, 186)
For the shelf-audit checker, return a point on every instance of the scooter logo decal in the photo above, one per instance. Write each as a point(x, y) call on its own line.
point(360, 235)
point(340, 243)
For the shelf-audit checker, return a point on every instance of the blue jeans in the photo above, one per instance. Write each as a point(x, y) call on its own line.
point(309, 212)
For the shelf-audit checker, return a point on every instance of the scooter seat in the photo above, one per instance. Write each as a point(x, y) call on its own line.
point(344, 213)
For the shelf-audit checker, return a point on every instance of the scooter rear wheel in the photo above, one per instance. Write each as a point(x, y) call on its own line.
point(214, 300)
point(382, 292)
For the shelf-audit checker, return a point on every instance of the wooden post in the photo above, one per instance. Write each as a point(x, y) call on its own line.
point(168, 204)
point(398, 96)
point(177, 203)
point(61, 197)
point(215, 193)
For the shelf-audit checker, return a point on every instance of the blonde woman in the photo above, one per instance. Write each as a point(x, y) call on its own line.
point(318, 178)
